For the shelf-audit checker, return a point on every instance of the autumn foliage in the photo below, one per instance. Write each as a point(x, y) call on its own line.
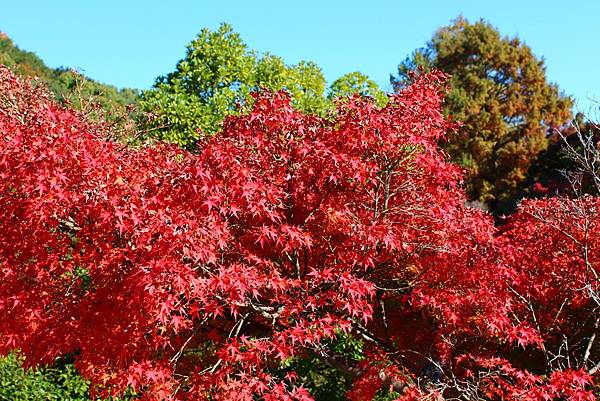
point(197, 275)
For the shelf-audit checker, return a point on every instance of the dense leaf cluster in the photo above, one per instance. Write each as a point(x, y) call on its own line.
point(286, 237)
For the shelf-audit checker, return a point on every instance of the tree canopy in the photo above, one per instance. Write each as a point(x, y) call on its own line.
point(499, 92)
point(355, 83)
point(203, 275)
point(216, 78)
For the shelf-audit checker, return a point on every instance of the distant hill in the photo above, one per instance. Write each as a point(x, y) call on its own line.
point(65, 84)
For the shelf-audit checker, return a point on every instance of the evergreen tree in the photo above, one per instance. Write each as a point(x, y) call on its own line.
point(500, 94)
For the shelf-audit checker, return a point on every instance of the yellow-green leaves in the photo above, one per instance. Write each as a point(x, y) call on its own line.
point(216, 79)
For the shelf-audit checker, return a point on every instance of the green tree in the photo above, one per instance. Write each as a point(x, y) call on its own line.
point(499, 91)
point(356, 83)
point(216, 78)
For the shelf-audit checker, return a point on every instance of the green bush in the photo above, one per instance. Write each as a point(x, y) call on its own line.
point(59, 382)
point(48, 383)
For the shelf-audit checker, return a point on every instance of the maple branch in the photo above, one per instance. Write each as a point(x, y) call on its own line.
point(176, 357)
point(269, 312)
point(383, 315)
point(235, 330)
point(590, 343)
point(595, 369)
point(367, 335)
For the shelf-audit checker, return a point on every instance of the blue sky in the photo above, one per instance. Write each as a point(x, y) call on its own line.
point(130, 43)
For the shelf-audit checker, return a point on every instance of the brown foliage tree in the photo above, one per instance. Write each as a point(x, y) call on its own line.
point(501, 95)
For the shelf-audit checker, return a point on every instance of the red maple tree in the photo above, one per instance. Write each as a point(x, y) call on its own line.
point(195, 275)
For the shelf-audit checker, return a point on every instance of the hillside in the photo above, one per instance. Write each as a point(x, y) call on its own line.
point(66, 84)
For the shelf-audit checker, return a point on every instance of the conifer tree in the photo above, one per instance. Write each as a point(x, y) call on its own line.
point(501, 95)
